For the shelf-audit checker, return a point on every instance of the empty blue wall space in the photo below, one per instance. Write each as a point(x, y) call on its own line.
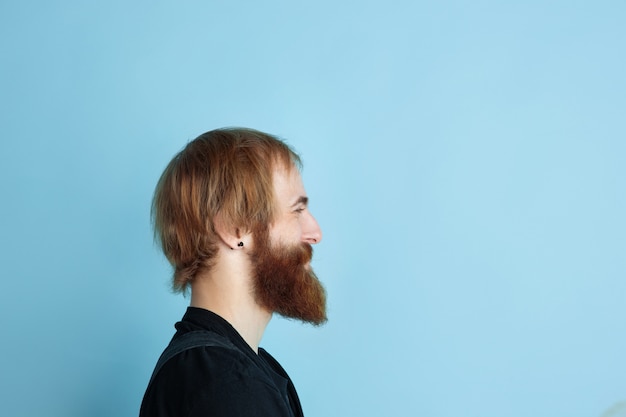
point(466, 161)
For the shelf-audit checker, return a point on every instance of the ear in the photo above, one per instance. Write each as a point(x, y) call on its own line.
point(232, 236)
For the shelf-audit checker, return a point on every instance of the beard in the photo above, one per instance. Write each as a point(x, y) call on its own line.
point(284, 283)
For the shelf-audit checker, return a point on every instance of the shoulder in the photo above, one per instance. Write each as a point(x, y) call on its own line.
point(213, 380)
point(204, 354)
point(209, 362)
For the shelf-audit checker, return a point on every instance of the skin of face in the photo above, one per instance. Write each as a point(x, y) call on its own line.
point(293, 223)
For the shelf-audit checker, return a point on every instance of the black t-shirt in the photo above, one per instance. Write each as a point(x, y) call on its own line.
point(218, 381)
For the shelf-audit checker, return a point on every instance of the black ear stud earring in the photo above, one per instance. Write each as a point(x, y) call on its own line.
point(240, 244)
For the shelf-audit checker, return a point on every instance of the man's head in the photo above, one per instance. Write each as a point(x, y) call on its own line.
point(240, 178)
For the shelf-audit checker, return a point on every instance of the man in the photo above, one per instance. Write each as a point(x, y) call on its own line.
point(231, 214)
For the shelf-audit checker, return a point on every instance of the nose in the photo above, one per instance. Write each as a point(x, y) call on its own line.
point(311, 232)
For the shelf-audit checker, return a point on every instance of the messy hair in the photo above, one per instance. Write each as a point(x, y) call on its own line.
point(226, 172)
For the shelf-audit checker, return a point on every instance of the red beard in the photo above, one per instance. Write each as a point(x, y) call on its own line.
point(284, 284)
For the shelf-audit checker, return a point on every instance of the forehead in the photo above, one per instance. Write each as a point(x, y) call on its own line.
point(288, 186)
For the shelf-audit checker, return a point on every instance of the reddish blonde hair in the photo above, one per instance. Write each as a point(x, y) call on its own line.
point(227, 172)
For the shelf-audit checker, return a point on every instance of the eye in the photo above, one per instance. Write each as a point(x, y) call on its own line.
point(300, 209)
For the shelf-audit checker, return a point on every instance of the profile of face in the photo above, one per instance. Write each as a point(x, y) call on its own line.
point(284, 281)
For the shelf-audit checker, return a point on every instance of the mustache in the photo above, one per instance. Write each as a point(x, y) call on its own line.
point(306, 253)
point(292, 259)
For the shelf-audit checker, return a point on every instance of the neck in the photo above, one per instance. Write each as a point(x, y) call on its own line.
point(227, 292)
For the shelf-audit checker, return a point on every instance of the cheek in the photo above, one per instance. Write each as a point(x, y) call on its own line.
point(286, 231)
point(291, 232)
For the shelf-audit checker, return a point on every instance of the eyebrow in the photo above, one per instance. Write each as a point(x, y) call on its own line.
point(301, 200)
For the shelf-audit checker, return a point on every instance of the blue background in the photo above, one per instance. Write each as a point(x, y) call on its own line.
point(465, 159)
